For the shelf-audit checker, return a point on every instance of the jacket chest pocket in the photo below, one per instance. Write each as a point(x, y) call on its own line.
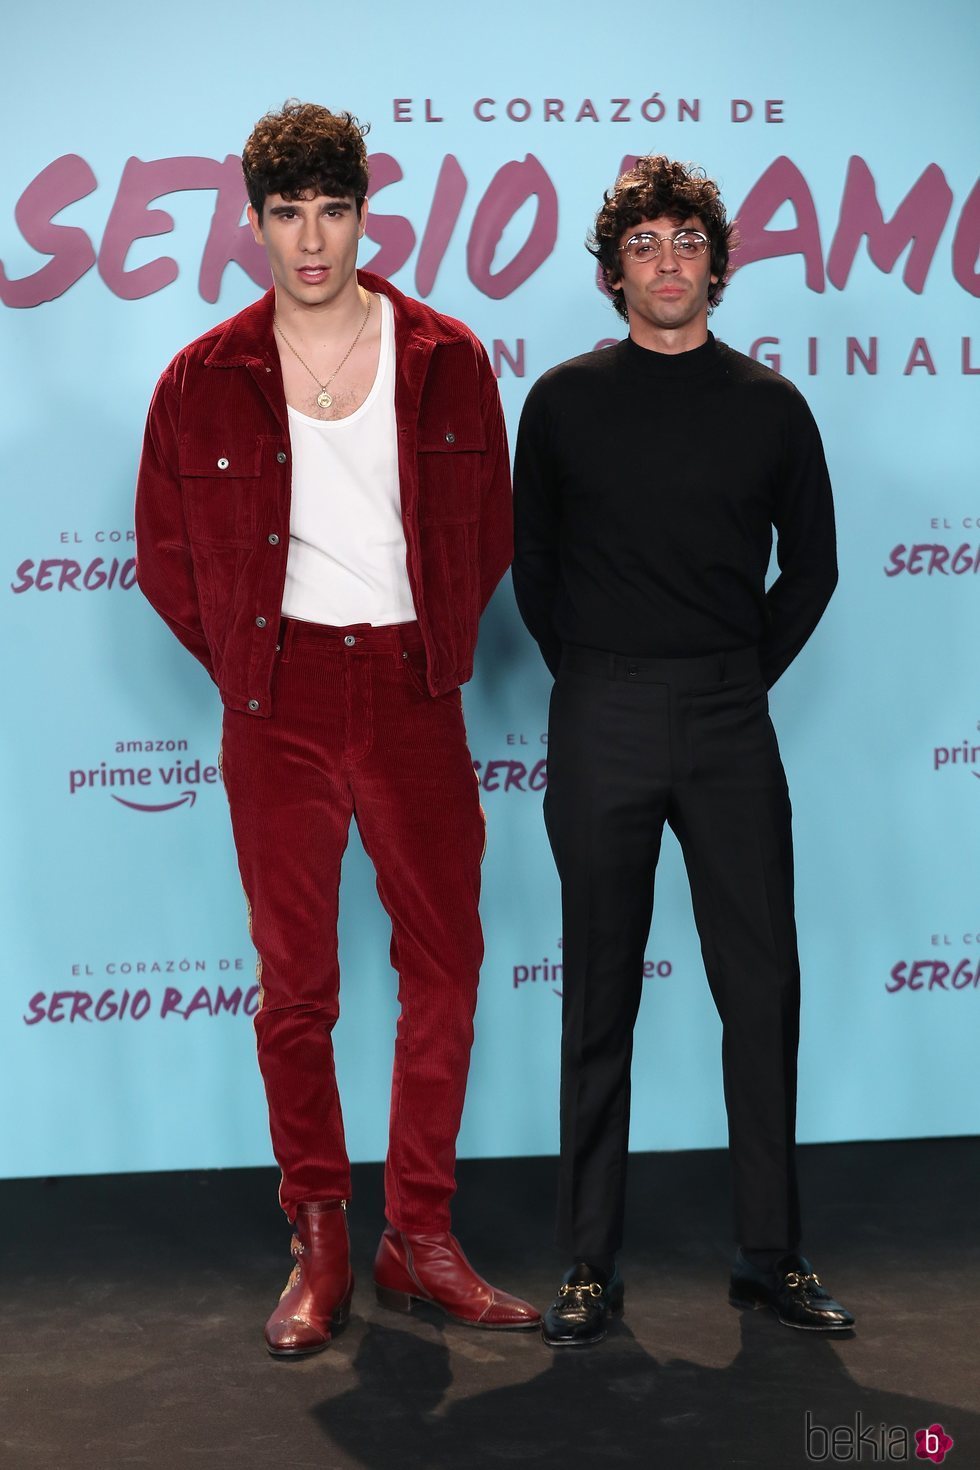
point(450, 464)
point(220, 485)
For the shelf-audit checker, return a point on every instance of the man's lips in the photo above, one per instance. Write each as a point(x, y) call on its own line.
point(313, 272)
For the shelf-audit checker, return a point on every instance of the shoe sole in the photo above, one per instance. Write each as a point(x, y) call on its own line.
point(285, 1355)
point(753, 1306)
point(574, 1342)
point(402, 1301)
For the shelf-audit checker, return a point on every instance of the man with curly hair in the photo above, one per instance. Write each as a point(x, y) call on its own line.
point(648, 479)
point(323, 511)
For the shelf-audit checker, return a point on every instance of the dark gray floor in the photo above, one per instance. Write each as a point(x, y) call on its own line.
point(132, 1312)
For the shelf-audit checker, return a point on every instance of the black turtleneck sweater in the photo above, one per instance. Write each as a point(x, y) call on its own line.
point(646, 490)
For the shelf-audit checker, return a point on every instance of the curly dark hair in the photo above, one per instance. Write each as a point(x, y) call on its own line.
point(305, 146)
point(656, 186)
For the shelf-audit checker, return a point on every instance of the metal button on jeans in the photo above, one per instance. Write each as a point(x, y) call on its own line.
point(350, 640)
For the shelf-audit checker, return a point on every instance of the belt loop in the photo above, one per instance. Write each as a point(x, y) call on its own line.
point(402, 641)
point(286, 630)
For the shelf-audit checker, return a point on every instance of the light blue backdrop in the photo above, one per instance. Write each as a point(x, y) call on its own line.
point(878, 720)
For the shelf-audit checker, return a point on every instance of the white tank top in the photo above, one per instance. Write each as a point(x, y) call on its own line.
point(347, 554)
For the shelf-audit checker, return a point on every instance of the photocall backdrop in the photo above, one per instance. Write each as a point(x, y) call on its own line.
point(844, 139)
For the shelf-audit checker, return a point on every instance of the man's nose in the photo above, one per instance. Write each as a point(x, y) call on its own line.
point(311, 237)
point(667, 260)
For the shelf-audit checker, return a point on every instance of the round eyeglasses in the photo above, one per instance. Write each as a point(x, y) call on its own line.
point(686, 245)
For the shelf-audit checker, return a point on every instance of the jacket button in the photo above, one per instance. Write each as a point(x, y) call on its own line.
point(222, 463)
point(260, 622)
point(253, 704)
point(281, 457)
point(450, 438)
point(350, 640)
point(273, 539)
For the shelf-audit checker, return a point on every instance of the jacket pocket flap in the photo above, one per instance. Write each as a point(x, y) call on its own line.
point(217, 460)
point(452, 441)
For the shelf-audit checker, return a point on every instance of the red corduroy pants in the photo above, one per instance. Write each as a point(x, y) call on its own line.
point(355, 733)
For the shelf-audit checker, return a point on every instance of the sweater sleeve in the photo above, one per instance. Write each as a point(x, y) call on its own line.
point(537, 518)
point(806, 545)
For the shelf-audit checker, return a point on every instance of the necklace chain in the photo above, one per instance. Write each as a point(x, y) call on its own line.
point(324, 399)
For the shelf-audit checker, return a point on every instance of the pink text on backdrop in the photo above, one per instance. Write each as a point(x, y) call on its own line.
point(918, 222)
point(112, 1005)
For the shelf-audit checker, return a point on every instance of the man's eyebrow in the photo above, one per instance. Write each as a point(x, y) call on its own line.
point(327, 204)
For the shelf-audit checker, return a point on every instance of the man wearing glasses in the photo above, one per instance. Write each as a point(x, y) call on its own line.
point(648, 479)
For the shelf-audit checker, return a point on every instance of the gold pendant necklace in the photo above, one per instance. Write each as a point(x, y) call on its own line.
point(324, 399)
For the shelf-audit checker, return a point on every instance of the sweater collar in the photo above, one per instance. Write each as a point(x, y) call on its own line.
point(672, 366)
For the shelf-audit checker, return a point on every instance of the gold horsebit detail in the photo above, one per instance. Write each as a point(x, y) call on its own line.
point(794, 1280)
point(592, 1288)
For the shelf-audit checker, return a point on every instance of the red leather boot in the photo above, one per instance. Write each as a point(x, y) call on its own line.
point(432, 1268)
point(317, 1296)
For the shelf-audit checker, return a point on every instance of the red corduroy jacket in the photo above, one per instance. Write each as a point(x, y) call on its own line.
point(213, 493)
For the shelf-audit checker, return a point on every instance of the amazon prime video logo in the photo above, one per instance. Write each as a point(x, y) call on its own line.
point(166, 780)
point(963, 755)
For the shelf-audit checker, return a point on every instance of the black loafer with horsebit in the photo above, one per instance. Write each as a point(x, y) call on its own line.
point(792, 1290)
point(580, 1313)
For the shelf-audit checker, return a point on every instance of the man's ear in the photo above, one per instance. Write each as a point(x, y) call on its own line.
point(252, 215)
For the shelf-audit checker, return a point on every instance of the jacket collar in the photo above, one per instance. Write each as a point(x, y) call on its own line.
point(248, 337)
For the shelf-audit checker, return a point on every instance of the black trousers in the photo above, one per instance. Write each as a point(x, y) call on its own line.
point(634, 743)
